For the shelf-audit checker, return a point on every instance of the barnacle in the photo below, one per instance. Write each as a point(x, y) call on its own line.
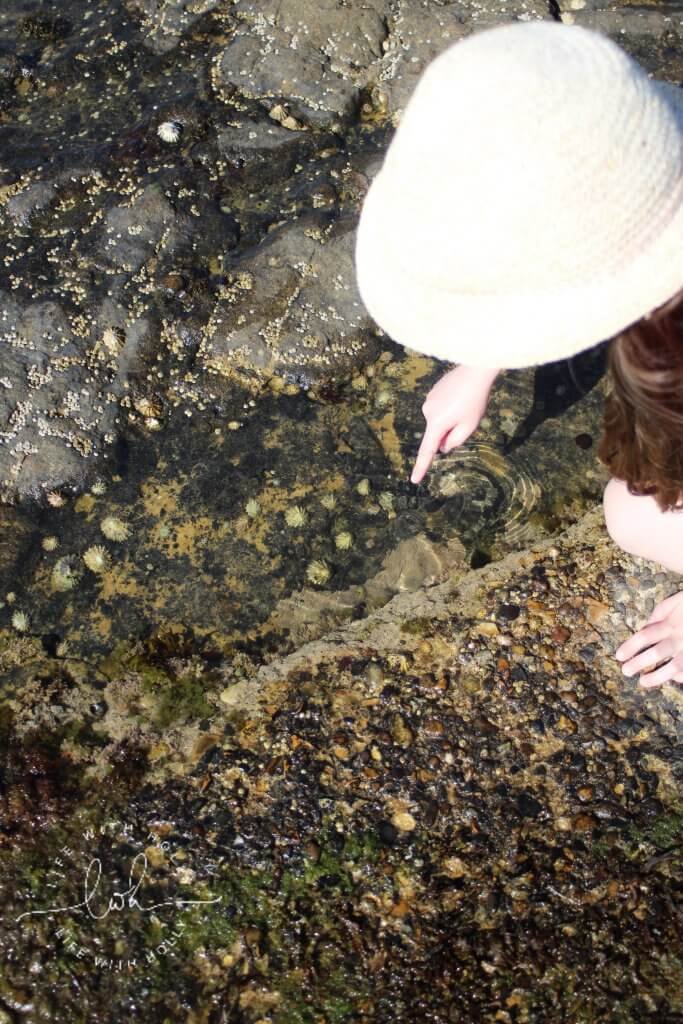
point(54, 499)
point(343, 540)
point(49, 543)
point(113, 339)
point(64, 576)
point(318, 571)
point(114, 528)
point(295, 516)
point(169, 131)
point(97, 558)
point(328, 501)
point(20, 621)
point(252, 508)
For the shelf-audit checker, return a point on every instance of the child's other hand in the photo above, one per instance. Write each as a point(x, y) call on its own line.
point(660, 639)
point(453, 409)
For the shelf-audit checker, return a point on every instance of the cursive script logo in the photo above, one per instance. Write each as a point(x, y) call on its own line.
point(119, 900)
point(86, 893)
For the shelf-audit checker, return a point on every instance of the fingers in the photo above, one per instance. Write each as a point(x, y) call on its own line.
point(455, 437)
point(661, 610)
point(649, 634)
point(648, 659)
point(664, 674)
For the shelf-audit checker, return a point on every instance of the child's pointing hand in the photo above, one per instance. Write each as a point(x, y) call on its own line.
point(453, 410)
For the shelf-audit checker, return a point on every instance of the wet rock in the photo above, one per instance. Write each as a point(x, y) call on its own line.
point(293, 307)
point(303, 54)
point(528, 806)
point(388, 833)
point(404, 821)
point(162, 34)
point(263, 152)
point(58, 390)
point(508, 612)
point(415, 562)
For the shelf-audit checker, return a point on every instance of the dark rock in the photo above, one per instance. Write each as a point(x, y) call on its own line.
point(527, 805)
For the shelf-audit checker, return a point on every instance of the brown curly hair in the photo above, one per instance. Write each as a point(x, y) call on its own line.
point(642, 441)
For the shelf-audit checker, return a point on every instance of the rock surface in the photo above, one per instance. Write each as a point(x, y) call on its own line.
point(460, 778)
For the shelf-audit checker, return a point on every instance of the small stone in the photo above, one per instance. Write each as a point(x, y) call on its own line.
point(584, 822)
point(486, 628)
point(312, 850)
point(432, 727)
point(454, 867)
point(387, 832)
point(404, 821)
point(400, 732)
point(561, 634)
point(508, 612)
point(596, 610)
point(528, 806)
point(155, 856)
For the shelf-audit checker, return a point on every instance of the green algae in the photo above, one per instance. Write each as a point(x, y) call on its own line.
point(665, 833)
point(416, 627)
point(182, 699)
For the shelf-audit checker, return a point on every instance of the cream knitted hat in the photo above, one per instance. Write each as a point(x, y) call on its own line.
point(530, 204)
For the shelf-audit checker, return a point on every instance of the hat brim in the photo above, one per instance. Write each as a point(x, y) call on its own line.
point(511, 330)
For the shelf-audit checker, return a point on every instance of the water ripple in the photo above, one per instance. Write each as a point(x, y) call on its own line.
point(487, 489)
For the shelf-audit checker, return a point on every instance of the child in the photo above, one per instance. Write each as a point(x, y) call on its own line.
point(530, 205)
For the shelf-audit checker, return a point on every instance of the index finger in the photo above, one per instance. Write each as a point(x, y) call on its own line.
point(426, 453)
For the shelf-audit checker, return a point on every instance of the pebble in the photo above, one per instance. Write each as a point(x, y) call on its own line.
point(400, 732)
point(432, 727)
point(404, 821)
point(486, 628)
point(561, 634)
point(388, 833)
